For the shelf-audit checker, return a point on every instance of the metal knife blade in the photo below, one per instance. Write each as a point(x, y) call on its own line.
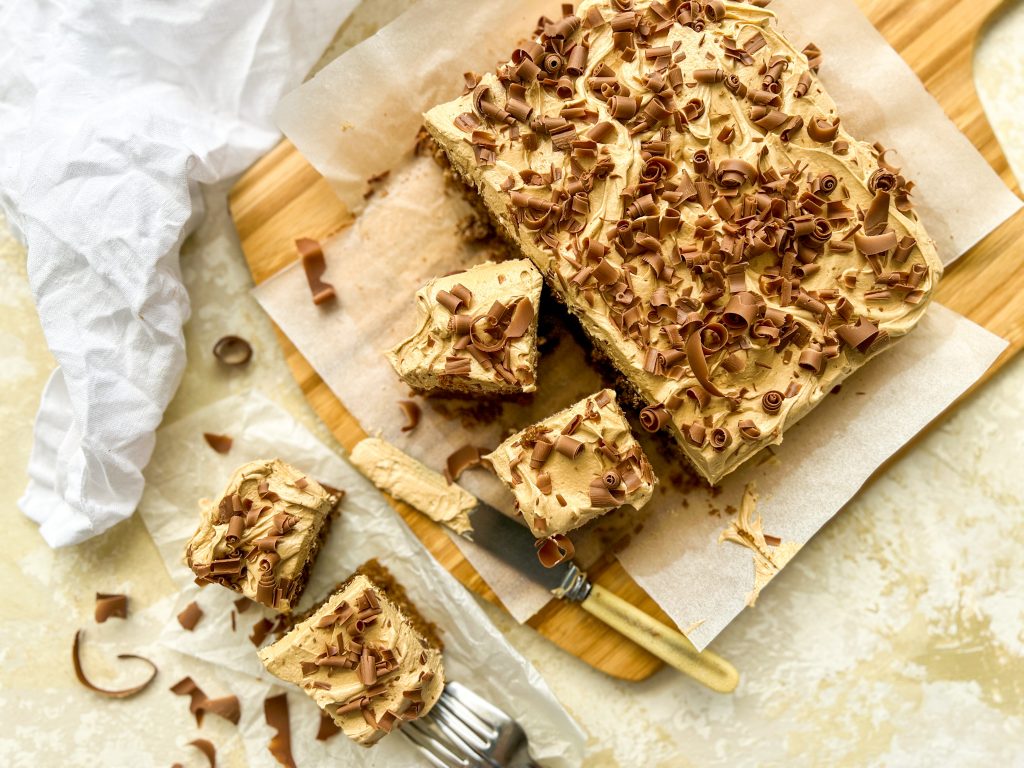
point(513, 543)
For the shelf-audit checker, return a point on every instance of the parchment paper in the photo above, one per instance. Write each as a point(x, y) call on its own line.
point(475, 652)
point(377, 267)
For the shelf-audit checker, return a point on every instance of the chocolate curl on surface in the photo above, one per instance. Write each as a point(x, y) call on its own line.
point(260, 630)
point(812, 360)
point(860, 336)
point(275, 712)
point(699, 364)
point(771, 402)
point(736, 86)
point(232, 350)
point(733, 173)
point(219, 443)
point(544, 483)
point(121, 694)
point(654, 417)
point(802, 86)
point(601, 495)
point(449, 301)
point(720, 438)
point(110, 606)
point(541, 450)
point(412, 414)
point(872, 245)
point(522, 317)
point(226, 706)
point(740, 312)
point(708, 76)
point(554, 550)
point(569, 447)
point(611, 479)
point(748, 429)
point(460, 460)
point(696, 433)
point(457, 366)
point(823, 131)
point(814, 56)
point(314, 265)
point(190, 616)
point(602, 133)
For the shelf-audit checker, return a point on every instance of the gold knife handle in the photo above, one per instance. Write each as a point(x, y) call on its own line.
point(668, 644)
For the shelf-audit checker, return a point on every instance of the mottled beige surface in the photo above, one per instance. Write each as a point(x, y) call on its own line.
point(895, 637)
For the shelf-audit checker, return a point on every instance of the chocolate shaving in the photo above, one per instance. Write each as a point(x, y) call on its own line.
point(699, 364)
point(569, 447)
point(110, 606)
point(232, 350)
point(207, 748)
point(225, 706)
point(121, 694)
point(219, 443)
point(654, 417)
point(275, 711)
point(412, 414)
point(460, 460)
point(260, 630)
point(314, 265)
point(771, 402)
point(544, 483)
point(191, 615)
point(554, 550)
point(541, 450)
point(748, 430)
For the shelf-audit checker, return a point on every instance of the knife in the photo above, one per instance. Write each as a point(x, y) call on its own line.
point(395, 472)
point(513, 544)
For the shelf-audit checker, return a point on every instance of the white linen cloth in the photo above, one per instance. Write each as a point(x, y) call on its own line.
point(112, 112)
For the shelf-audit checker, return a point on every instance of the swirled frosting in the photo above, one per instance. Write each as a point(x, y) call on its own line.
point(574, 466)
point(684, 182)
point(362, 661)
point(262, 532)
point(467, 337)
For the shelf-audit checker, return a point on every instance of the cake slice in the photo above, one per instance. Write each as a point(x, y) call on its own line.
point(476, 332)
point(365, 656)
point(686, 186)
point(574, 466)
point(262, 536)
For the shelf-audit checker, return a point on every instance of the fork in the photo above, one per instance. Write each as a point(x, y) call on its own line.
point(463, 730)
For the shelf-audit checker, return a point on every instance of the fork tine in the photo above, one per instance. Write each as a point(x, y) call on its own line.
point(460, 710)
point(450, 728)
point(433, 748)
point(445, 717)
point(480, 708)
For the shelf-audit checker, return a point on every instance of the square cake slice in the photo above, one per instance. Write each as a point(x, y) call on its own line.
point(574, 466)
point(262, 536)
point(365, 656)
point(685, 184)
point(476, 332)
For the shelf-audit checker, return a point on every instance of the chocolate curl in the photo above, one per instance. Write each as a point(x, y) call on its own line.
point(748, 430)
point(611, 479)
point(699, 364)
point(709, 76)
point(207, 748)
point(449, 301)
point(110, 606)
point(236, 527)
point(275, 711)
point(314, 265)
point(412, 414)
point(544, 483)
point(603, 496)
point(741, 311)
point(541, 450)
point(522, 317)
point(219, 443)
point(232, 350)
point(732, 173)
point(872, 245)
point(812, 360)
point(802, 86)
point(328, 728)
point(654, 417)
point(823, 131)
point(460, 460)
point(121, 694)
point(457, 366)
point(771, 402)
point(569, 447)
point(190, 616)
point(720, 438)
point(554, 550)
point(602, 133)
point(860, 336)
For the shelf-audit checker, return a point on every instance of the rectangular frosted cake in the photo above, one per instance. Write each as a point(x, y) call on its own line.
point(365, 656)
point(683, 181)
point(262, 536)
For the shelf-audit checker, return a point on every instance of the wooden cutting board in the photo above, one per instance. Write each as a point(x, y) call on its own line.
point(281, 198)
